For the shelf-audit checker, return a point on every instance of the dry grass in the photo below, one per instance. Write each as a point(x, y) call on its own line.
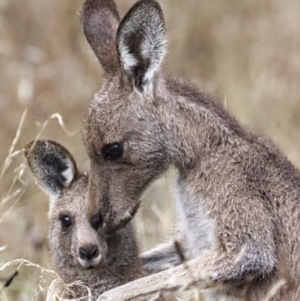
point(245, 52)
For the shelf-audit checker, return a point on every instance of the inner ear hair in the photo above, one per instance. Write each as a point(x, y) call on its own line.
point(51, 164)
point(141, 43)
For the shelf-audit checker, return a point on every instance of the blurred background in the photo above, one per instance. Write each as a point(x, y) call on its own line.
point(247, 53)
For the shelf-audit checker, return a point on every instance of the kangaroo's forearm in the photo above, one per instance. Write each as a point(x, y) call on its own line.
point(161, 258)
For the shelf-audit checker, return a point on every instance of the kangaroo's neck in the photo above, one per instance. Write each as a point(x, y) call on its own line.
point(195, 124)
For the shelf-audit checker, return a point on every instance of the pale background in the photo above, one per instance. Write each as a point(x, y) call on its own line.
point(247, 53)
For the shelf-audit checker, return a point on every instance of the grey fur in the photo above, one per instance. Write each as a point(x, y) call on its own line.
point(237, 195)
point(161, 258)
point(118, 260)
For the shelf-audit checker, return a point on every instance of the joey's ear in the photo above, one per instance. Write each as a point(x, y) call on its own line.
point(52, 166)
point(141, 43)
point(100, 20)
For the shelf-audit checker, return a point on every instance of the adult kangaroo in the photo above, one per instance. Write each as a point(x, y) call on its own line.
point(237, 196)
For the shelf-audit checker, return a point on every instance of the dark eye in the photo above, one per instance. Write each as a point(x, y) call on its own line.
point(113, 151)
point(97, 221)
point(65, 221)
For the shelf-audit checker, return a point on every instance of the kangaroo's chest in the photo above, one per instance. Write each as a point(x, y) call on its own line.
point(194, 221)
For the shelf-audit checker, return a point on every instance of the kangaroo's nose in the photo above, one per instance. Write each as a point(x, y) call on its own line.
point(88, 252)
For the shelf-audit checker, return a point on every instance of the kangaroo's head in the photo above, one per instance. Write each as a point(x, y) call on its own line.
point(124, 136)
point(73, 240)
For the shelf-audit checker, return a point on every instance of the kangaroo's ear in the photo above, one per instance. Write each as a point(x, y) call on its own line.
point(141, 43)
point(52, 166)
point(100, 20)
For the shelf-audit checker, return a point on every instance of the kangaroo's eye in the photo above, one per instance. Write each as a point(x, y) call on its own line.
point(66, 221)
point(113, 151)
point(97, 221)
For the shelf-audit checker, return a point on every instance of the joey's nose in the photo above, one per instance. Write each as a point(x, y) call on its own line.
point(88, 252)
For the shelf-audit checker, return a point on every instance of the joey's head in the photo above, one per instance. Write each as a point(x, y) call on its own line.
point(74, 241)
point(123, 134)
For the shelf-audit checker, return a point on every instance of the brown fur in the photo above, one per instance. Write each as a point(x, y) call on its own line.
point(119, 261)
point(101, 30)
point(237, 195)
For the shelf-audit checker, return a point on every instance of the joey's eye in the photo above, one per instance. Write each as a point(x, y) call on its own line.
point(65, 221)
point(97, 221)
point(113, 151)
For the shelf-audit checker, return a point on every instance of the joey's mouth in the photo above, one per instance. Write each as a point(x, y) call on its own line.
point(90, 267)
point(91, 264)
